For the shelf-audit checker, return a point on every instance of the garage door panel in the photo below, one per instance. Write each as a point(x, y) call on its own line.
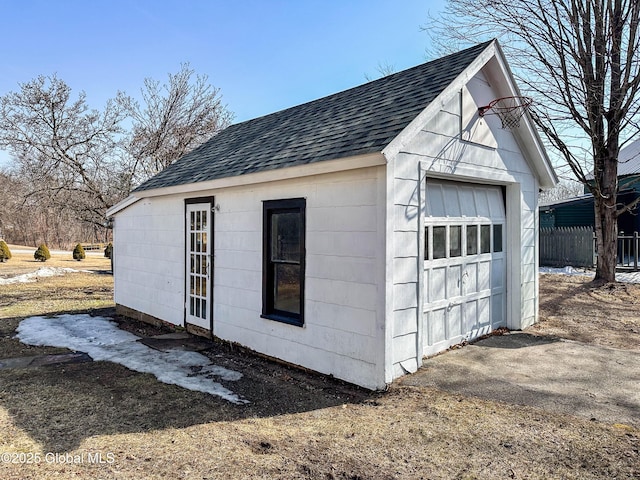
point(437, 285)
point(482, 204)
point(497, 273)
point(435, 207)
point(454, 277)
point(496, 205)
point(484, 312)
point(471, 316)
point(465, 263)
point(484, 275)
point(497, 317)
point(437, 322)
point(470, 279)
point(454, 321)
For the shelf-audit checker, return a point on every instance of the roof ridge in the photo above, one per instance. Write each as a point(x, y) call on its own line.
point(386, 78)
point(356, 121)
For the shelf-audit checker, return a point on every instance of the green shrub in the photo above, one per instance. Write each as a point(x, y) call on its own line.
point(78, 253)
point(5, 253)
point(42, 253)
point(108, 251)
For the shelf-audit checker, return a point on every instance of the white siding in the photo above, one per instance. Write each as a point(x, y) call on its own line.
point(344, 284)
point(149, 258)
point(458, 145)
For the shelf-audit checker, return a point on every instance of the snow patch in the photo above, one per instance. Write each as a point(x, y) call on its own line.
point(625, 277)
point(102, 340)
point(40, 273)
point(564, 271)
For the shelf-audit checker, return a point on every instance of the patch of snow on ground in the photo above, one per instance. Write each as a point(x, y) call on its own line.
point(565, 271)
point(40, 273)
point(626, 277)
point(102, 340)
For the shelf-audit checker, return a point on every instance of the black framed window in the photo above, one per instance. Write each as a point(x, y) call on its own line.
point(283, 256)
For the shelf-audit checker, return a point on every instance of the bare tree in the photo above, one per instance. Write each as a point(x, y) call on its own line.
point(72, 163)
point(581, 60)
point(384, 69)
point(172, 119)
point(564, 190)
point(63, 149)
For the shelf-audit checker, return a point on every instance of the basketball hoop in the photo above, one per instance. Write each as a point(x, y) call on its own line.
point(509, 109)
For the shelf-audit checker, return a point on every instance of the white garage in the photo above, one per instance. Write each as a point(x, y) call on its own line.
point(464, 264)
point(353, 234)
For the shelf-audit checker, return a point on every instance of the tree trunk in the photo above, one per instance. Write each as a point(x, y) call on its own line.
point(606, 239)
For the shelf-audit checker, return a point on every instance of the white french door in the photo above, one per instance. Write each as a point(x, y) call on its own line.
point(199, 259)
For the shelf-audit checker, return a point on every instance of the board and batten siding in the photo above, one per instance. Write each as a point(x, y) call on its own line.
point(344, 282)
point(455, 144)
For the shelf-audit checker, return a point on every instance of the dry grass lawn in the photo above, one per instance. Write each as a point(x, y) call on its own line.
point(101, 420)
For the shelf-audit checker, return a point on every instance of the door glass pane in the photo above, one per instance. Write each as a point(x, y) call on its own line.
point(204, 220)
point(497, 238)
point(485, 239)
point(193, 221)
point(472, 239)
point(439, 242)
point(198, 221)
point(285, 237)
point(455, 241)
point(204, 242)
point(287, 288)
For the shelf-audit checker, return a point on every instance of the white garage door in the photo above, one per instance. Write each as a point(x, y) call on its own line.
point(465, 263)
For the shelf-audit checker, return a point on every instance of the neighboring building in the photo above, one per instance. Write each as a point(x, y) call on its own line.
point(351, 235)
point(579, 211)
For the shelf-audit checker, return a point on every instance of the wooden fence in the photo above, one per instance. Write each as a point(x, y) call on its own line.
point(567, 246)
point(576, 247)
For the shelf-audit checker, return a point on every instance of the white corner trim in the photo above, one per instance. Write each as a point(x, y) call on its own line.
point(317, 168)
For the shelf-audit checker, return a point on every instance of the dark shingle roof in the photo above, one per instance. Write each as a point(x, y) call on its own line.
point(360, 120)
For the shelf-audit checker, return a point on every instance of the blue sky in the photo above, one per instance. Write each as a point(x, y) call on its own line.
point(263, 55)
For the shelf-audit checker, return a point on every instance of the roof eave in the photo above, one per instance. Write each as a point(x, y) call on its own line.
point(265, 176)
point(130, 200)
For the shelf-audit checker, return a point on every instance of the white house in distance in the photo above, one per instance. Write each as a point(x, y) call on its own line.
point(352, 235)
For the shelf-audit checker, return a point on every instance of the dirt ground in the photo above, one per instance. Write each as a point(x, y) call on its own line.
point(101, 420)
point(608, 315)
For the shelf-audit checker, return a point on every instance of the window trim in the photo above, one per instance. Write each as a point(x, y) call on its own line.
point(269, 207)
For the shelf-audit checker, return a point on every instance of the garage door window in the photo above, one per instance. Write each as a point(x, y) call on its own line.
point(485, 239)
point(472, 239)
point(447, 240)
point(455, 241)
point(439, 242)
point(497, 238)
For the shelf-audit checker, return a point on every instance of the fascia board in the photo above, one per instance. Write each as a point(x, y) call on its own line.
point(298, 171)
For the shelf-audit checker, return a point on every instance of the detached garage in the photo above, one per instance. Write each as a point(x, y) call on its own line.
point(352, 235)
